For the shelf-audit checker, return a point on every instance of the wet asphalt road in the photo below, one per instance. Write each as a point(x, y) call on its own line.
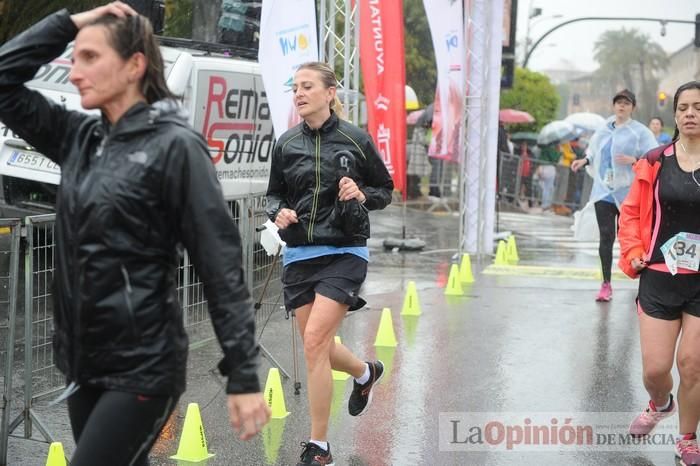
point(511, 346)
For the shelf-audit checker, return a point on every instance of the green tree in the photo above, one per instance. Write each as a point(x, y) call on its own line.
point(178, 18)
point(629, 59)
point(533, 93)
point(18, 15)
point(421, 71)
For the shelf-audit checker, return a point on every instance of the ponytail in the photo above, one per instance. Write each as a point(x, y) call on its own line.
point(337, 108)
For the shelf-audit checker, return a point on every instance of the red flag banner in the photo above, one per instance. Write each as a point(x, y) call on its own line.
point(383, 72)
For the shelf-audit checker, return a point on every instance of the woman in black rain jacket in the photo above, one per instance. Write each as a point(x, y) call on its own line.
point(136, 182)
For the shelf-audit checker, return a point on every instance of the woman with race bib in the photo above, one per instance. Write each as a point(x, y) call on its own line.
point(612, 151)
point(660, 243)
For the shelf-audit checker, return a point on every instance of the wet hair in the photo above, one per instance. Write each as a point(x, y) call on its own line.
point(134, 34)
point(689, 86)
point(328, 79)
point(657, 118)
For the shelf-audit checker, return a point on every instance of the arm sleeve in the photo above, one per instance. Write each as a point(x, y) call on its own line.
point(47, 126)
point(377, 183)
point(276, 187)
point(593, 148)
point(628, 233)
point(198, 210)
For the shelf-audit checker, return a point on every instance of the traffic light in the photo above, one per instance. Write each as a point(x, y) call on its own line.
point(697, 30)
point(507, 72)
point(661, 98)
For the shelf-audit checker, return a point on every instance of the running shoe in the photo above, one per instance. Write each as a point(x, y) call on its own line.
point(605, 293)
point(687, 450)
point(361, 395)
point(313, 455)
point(645, 423)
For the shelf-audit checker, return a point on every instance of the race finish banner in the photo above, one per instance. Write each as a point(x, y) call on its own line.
point(384, 75)
point(287, 39)
point(446, 21)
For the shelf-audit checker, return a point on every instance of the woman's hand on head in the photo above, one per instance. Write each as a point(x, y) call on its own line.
point(285, 217)
point(349, 190)
point(118, 9)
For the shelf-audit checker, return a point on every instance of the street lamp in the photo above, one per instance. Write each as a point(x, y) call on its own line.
point(547, 45)
point(531, 13)
point(535, 12)
point(663, 22)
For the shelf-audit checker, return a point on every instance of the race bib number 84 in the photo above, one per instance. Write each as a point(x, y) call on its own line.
point(682, 250)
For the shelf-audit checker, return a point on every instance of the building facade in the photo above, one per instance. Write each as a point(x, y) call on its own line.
point(684, 67)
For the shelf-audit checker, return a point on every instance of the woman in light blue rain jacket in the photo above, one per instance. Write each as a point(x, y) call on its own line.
point(612, 151)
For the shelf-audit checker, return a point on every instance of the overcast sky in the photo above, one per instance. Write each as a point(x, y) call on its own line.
point(571, 47)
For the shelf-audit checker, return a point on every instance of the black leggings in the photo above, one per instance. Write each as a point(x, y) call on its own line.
point(115, 428)
point(606, 213)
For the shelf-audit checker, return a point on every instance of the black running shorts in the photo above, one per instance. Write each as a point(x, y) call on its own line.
point(665, 296)
point(338, 277)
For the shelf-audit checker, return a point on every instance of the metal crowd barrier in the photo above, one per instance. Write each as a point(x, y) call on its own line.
point(437, 191)
point(263, 269)
point(40, 376)
point(522, 183)
point(9, 282)
point(264, 275)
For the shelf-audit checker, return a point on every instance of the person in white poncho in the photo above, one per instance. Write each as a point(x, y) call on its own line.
point(612, 151)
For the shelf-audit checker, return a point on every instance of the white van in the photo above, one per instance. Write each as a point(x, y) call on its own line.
point(226, 102)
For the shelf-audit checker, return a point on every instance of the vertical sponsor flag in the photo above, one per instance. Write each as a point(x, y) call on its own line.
point(446, 21)
point(287, 39)
point(383, 72)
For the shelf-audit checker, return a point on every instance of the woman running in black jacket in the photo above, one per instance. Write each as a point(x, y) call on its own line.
point(325, 176)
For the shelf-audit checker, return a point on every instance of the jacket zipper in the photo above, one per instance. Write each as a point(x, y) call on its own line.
point(314, 207)
point(127, 295)
point(76, 347)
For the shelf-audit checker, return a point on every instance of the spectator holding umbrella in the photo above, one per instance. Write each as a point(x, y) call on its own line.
point(549, 139)
point(612, 151)
point(523, 142)
point(546, 172)
point(417, 157)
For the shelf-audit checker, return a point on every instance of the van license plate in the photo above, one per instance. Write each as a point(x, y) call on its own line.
point(32, 161)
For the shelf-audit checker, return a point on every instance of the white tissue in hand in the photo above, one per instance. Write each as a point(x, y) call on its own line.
point(270, 239)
